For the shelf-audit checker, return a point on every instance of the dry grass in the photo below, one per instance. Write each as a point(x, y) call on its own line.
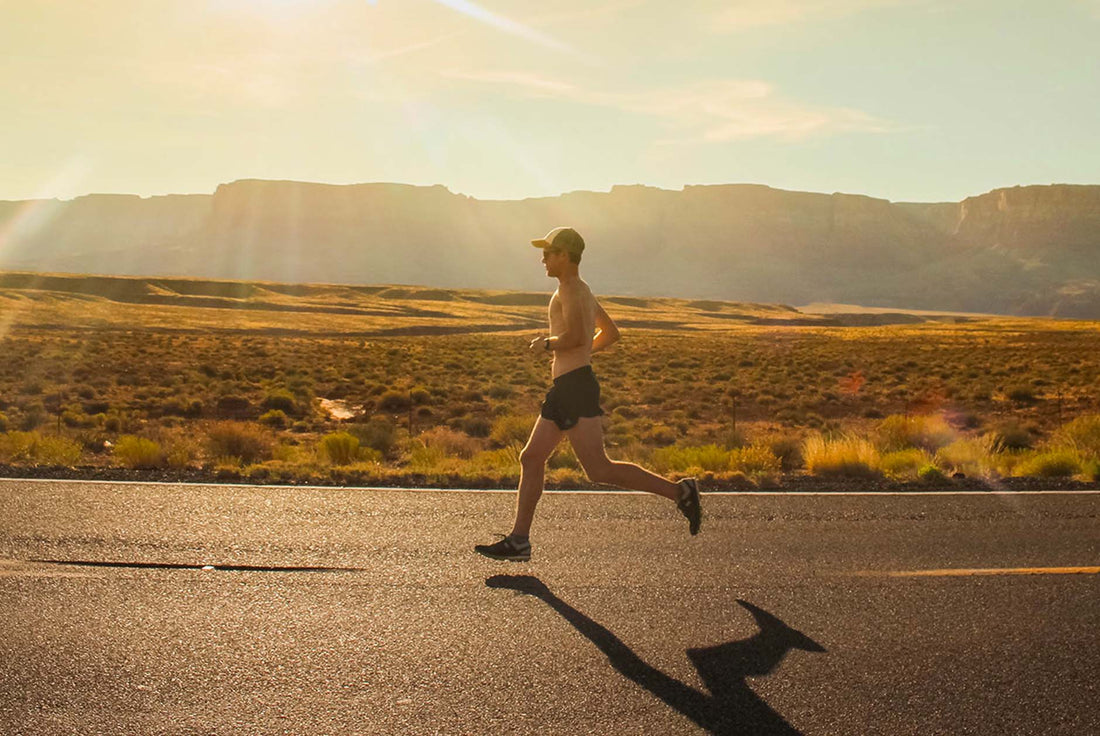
point(241, 388)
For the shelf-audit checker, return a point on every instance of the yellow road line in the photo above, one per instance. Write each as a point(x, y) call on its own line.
point(966, 572)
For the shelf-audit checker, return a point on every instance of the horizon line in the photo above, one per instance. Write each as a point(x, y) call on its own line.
point(613, 187)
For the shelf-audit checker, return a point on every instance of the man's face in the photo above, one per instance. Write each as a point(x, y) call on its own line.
point(554, 259)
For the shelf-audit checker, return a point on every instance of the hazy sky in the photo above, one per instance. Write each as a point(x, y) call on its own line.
point(920, 100)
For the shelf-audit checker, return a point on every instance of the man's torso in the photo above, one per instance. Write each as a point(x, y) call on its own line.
point(578, 357)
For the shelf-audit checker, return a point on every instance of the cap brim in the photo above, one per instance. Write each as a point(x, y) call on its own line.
point(540, 243)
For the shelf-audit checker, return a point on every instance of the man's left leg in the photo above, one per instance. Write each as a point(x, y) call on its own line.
point(587, 441)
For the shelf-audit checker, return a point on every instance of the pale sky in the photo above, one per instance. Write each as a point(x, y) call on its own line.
point(909, 100)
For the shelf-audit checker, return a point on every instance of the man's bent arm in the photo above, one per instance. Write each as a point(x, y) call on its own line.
point(607, 333)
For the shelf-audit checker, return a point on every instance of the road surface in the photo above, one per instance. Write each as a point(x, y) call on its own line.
point(341, 611)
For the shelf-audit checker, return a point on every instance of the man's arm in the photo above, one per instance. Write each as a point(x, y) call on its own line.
point(606, 332)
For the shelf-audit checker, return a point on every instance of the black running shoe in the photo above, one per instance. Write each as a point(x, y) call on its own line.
point(506, 549)
point(689, 504)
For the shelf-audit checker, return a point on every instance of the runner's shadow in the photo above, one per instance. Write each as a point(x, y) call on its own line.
point(731, 707)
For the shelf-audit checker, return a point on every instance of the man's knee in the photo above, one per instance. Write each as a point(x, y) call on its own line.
point(528, 458)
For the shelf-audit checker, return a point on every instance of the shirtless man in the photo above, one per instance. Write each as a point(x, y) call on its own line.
point(578, 327)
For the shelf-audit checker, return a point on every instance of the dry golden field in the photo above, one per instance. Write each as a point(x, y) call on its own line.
point(376, 384)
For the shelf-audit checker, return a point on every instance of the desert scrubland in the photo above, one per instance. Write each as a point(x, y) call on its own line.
point(408, 385)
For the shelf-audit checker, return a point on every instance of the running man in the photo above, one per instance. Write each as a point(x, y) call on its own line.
point(578, 327)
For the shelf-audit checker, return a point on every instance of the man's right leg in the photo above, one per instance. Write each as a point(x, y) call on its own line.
point(532, 473)
point(517, 546)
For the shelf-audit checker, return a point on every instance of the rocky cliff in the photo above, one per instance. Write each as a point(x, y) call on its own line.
point(1024, 250)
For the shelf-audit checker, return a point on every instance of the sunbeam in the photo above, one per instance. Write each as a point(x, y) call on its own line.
point(482, 15)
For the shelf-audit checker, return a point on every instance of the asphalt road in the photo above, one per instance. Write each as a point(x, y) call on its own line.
point(332, 611)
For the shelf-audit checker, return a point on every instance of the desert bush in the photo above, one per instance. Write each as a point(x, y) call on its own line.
point(394, 401)
point(4, 425)
point(378, 434)
point(34, 416)
point(457, 444)
point(1012, 436)
point(931, 474)
point(927, 432)
point(660, 434)
point(432, 459)
point(504, 460)
point(1058, 463)
point(754, 460)
point(276, 418)
point(280, 400)
point(473, 424)
point(510, 429)
point(1021, 394)
point(904, 463)
point(138, 452)
point(1082, 434)
point(181, 455)
point(678, 458)
point(38, 449)
point(969, 456)
point(233, 405)
point(788, 448)
point(247, 442)
point(843, 456)
point(340, 448)
point(564, 458)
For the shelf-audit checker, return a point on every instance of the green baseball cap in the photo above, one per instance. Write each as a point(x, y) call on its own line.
point(561, 238)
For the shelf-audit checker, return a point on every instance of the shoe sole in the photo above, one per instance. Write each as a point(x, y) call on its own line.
point(505, 558)
point(695, 513)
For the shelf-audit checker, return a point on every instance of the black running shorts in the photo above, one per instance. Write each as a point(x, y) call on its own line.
point(574, 395)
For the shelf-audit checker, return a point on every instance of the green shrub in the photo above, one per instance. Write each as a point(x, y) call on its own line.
point(340, 448)
point(754, 460)
point(788, 448)
point(450, 442)
point(276, 418)
point(378, 434)
point(1021, 394)
point(564, 458)
point(281, 400)
point(899, 432)
point(432, 459)
point(843, 457)
point(931, 474)
point(233, 405)
point(38, 449)
point(969, 456)
point(678, 458)
point(1082, 434)
point(394, 401)
point(504, 461)
point(1061, 463)
point(4, 425)
point(1012, 436)
point(904, 463)
point(138, 452)
point(476, 425)
point(246, 442)
point(510, 429)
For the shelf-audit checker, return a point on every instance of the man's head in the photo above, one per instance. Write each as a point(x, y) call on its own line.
point(561, 240)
